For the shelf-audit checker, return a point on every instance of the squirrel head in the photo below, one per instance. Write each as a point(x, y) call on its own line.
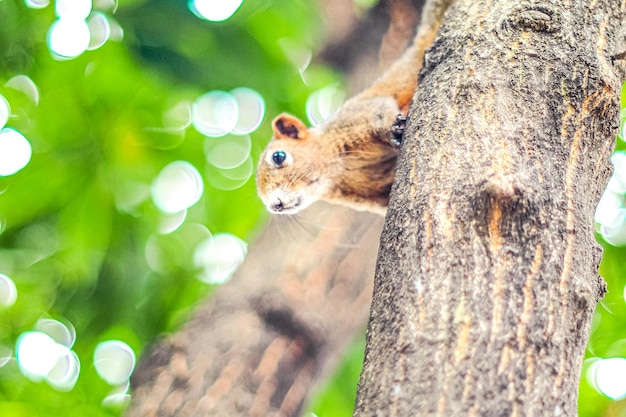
point(293, 170)
point(344, 160)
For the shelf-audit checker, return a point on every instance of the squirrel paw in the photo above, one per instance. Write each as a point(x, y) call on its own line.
point(397, 129)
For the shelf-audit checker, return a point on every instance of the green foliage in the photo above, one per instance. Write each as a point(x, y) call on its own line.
point(337, 398)
point(608, 334)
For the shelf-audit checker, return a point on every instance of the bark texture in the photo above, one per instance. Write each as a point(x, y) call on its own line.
point(259, 345)
point(487, 278)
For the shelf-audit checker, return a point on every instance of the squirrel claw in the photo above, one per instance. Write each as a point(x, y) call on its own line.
point(397, 129)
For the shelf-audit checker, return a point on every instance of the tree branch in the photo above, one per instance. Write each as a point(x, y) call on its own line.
point(258, 346)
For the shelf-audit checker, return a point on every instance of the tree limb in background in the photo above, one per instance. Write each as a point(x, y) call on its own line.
point(487, 276)
point(265, 338)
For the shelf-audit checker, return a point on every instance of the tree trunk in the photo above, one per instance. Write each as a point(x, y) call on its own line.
point(487, 278)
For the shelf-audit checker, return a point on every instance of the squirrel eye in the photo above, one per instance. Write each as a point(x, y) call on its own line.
point(278, 158)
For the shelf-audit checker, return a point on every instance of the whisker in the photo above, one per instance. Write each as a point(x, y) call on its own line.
point(291, 227)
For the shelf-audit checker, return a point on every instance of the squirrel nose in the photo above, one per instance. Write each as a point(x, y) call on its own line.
point(279, 206)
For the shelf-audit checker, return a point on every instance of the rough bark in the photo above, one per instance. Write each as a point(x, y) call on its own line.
point(487, 278)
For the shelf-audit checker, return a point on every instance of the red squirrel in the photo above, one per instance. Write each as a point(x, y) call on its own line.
point(350, 159)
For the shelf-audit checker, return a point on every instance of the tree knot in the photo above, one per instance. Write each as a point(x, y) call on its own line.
point(538, 18)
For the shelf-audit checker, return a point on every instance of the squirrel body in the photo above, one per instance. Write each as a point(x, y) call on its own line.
point(350, 159)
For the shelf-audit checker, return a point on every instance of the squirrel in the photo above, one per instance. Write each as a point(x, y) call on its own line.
point(350, 159)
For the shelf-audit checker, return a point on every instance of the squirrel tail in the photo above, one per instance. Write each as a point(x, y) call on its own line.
point(400, 80)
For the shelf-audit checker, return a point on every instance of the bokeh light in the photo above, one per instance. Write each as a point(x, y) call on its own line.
point(608, 377)
point(27, 86)
point(218, 113)
point(72, 9)
point(78, 29)
point(118, 397)
point(114, 361)
point(8, 291)
point(64, 374)
point(177, 187)
point(99, 30)
point(37, 353)
point(116, 31)
point(610, 215)
point(109, 6)
point(618, 159)
point(215, 113)
point(214, 10)
point(219, 257)
point(64, 334)
point(15, 151)
point(40, 357)
point(251, 110)
point(37, 4)
point(5, 111)
point(44, 354)
point(323, 103)
point(68, 37)
point(171, 223)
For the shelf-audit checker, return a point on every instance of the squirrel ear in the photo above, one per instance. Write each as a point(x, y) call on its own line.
point(288, 126)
